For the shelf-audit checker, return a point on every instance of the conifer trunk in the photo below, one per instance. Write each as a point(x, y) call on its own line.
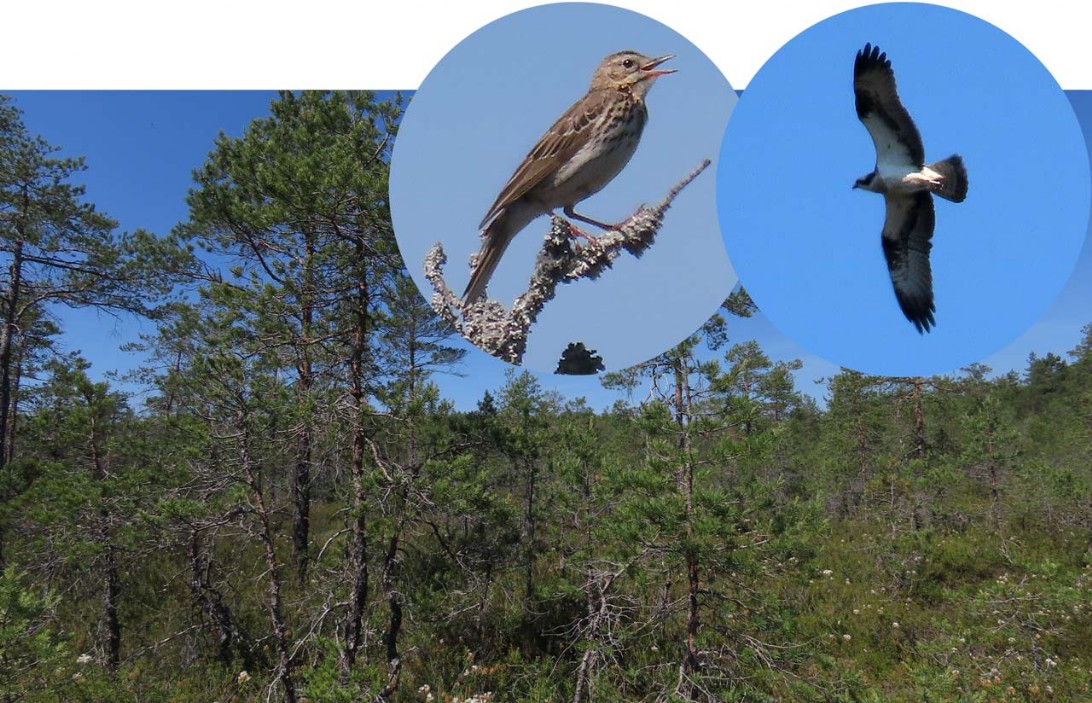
point(9, 330)
point(358, 554)
point(280, 632)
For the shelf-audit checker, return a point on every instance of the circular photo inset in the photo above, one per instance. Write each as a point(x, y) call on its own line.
point(903, 189)
point(540, 155)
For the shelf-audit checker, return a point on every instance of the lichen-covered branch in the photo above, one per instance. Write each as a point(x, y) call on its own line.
point(503, 332)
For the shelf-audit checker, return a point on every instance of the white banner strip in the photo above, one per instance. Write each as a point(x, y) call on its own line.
point(128, 44)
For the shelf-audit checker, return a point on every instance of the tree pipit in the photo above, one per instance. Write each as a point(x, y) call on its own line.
point(580, 154)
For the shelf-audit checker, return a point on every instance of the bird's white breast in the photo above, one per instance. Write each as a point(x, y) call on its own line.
point(893, 170)
point(591, 169)
point(893, 160)
point(596, 163)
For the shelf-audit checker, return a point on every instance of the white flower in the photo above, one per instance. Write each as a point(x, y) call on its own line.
point(895, 624)
point(84, 659)
point(827, 572)
point(847, 637)
point(243, 677)
point(424, 689)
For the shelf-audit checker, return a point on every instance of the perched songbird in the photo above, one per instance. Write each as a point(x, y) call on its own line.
point(906, 183)
point(580, 154)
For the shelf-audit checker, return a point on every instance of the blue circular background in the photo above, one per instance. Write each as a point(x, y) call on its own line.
point(807, 247)
point(483, 107)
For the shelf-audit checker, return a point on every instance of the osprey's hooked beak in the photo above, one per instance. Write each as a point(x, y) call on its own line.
point(649, 69)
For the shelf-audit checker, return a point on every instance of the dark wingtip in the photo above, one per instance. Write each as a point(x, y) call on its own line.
point(919, 311)
point(869, 57)
point(923, 319)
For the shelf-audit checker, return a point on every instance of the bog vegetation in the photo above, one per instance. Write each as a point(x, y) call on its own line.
point(293, 513)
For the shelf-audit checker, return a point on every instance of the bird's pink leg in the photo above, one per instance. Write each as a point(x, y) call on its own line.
point(575, 232)
point(568, 210)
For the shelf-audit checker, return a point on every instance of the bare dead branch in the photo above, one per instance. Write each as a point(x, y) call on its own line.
point(503, 332)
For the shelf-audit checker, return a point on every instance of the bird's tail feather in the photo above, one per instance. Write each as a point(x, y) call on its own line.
point(954, 185)
point(495, 240)
point(496, 237)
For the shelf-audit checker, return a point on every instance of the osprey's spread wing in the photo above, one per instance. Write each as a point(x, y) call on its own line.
point(893, 132)
point(907, 232)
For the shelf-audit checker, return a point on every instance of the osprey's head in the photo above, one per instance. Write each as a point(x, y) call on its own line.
point(629, 69)
point(869, 182)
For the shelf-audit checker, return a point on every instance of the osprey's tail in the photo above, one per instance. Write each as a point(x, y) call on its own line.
point(954, 185)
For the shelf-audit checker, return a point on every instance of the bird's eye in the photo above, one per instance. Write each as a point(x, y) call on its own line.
point(628, 63)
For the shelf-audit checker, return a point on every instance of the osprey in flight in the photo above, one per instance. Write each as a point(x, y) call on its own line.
point(906, 182)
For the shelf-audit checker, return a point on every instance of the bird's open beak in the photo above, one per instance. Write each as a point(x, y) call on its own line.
point(649, 70)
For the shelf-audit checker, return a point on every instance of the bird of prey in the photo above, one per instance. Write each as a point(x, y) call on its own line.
point(580, 154)
point(907, 184)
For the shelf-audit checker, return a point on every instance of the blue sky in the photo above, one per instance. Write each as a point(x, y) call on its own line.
point(807, 246)
point(141, 148)
point(487, 103)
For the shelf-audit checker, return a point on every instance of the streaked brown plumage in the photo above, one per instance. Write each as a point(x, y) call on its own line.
point(580, 154)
